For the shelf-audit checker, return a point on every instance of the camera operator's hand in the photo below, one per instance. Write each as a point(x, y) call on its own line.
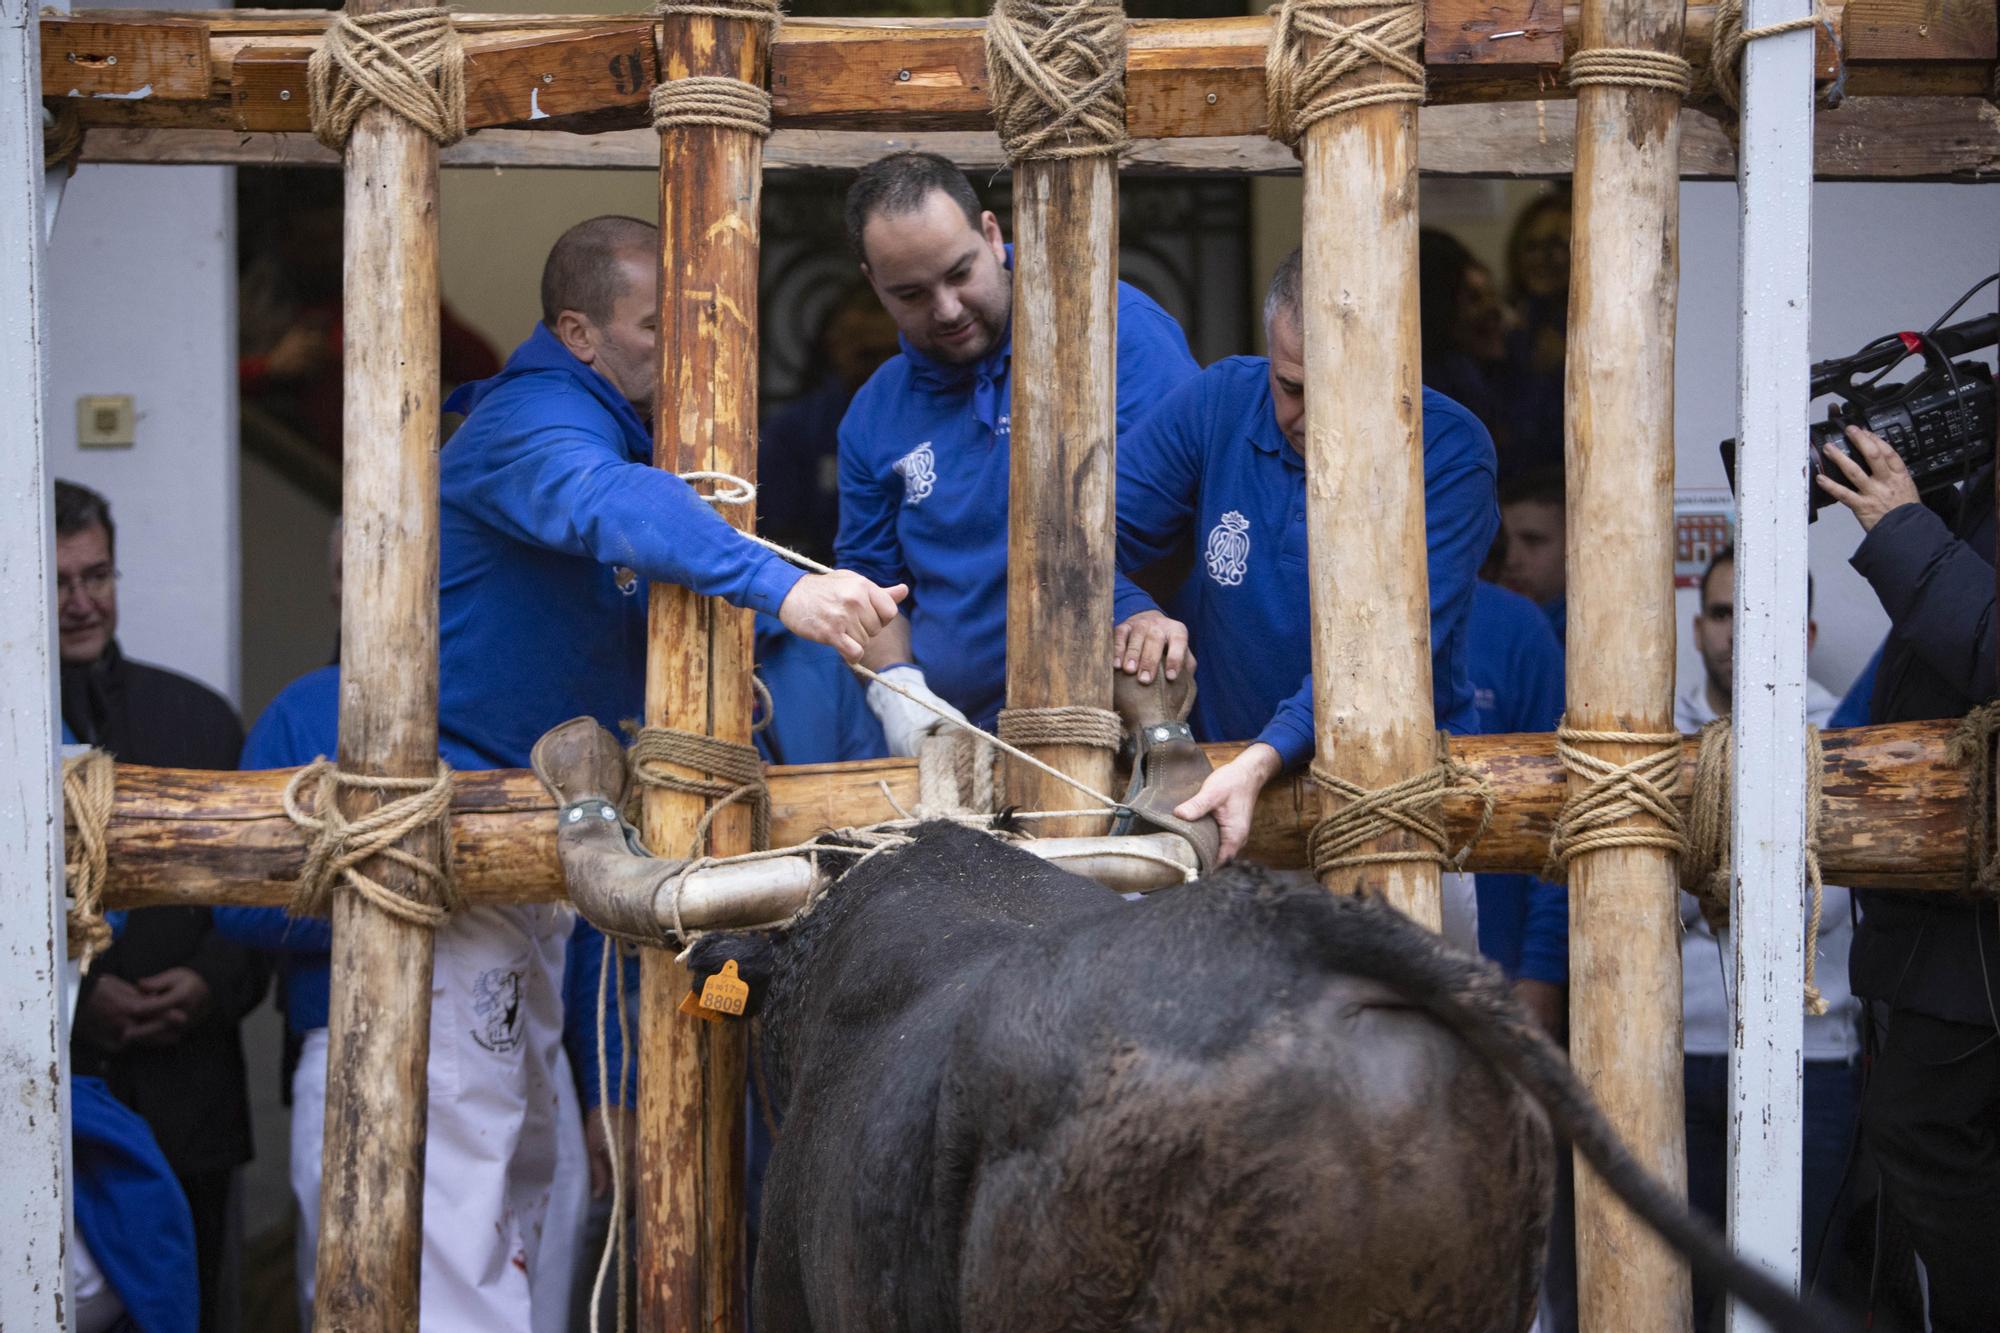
point(1885, 485)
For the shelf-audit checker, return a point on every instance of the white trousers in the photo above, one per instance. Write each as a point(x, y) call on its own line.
point(506, 1174)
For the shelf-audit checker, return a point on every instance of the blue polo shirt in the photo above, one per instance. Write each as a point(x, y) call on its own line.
point(1516, 665)
point(923, 491)
point(1212, 463)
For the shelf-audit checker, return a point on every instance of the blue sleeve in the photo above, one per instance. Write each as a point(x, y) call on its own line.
point(1159, 466)
point(1545, 934)
point(868, 542)
point(1460, 518)
point(1153, 361)
point(559, 487)
point(581, 979)
point(275, 929)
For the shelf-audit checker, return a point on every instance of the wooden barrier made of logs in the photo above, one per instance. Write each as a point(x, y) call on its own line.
point(1895, 818)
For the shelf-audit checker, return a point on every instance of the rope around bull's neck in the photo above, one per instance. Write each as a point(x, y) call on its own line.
point(734, 490)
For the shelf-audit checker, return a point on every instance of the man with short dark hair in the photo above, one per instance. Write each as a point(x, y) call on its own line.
point(1533, 511)
point(158, 1017)
point(1222, 462)
point(924, 448)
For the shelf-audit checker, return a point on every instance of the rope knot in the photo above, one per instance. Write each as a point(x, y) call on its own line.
point(1410, 806)
point(712, 99)
point(1596, 816)
point(1067, 724)
point(88, 785)
point(1630, 67)
point(1318, 65)
point(735, 773)
point(409, 61)
point(1058, 71)
point(340, 845)
point(1729, 37)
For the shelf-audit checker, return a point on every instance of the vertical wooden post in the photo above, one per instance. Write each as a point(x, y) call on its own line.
point(690, 1213)
point(1774, 174)
point(1625, 960)
point(1061, 526)
point(378, 1043)
point(34, 1020)
point(1368, 562)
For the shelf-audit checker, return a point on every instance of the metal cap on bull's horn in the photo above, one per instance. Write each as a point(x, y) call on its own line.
point(612, 880)
point(1167, 766)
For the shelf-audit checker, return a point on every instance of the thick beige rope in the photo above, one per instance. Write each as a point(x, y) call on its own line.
point(409, 60)
point(1729, 37)
point(1314, 60)
point(712, 99)
point(1410, 806)
point(88, 785)
point(1972, 746)
point(736, 774)
point(1705, 863)
point(339, 845)
point(954, 776)
point(1064, 724)
point(1595, 817)
point(1630, 67)
point(763, 12)
point(1058, 71)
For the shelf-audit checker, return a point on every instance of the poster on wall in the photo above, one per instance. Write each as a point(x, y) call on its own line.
point(1704, 523)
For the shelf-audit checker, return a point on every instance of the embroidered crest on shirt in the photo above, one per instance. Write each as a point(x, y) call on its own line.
point(1228, 551)
point(496, 1003)
point(626, 578)
point(918, 469)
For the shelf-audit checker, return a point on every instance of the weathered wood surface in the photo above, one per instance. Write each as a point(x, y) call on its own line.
point(1201, 78)
point(1895, 818)
point(698, 679)
point(1865, 138)
point(378, 1042)
point(1625, 961)
point(1061, 525)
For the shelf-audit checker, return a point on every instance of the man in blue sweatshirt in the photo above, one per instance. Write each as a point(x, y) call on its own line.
point(1222, 462)
point(924, 448)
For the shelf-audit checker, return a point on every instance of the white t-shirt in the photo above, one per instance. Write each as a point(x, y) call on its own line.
point(1707, 965)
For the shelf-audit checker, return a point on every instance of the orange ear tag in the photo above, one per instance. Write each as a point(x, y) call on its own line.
point(726, 992)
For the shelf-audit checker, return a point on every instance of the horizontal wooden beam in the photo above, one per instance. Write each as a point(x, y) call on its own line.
point(1895, 818)
point(1186, 78)
point(1866, 138)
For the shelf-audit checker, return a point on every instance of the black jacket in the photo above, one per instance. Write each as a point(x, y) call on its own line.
point(193, 1092)
point(1932, 568)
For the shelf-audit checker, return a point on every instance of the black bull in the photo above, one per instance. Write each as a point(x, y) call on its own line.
point(1014, 1101)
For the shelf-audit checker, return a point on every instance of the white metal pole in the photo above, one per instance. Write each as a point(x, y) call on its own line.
point(1774, 174)
point(34, 1026)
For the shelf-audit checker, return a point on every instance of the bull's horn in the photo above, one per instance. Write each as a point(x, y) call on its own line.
point(1167, 766)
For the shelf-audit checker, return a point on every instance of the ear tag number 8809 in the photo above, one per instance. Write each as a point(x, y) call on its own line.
point(726, 992)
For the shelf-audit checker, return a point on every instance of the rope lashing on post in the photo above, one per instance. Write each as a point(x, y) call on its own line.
point(717, 100)
point(88, 784)
point(1058, 71)
point(1705, 861)
point(409, 61)
point(339, 845)
point(1340, 838)
point(62, 135)
point(1630, 67)
point(1594, 818)
point(736, 773)
point(1729, 37)
point(1064, 724)
point(1312, 64)
point(1971, 746)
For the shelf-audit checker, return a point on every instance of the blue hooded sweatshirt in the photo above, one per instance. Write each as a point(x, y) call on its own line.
point(924, 453)
point(554, 521)
point(1212, 464)
point(131, 1213)
point(1516, 666)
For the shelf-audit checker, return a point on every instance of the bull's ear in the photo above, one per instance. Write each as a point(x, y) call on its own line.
point(754, 953)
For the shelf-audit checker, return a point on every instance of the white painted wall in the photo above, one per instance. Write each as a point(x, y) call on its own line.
point(1885, 257)
point(142, 301)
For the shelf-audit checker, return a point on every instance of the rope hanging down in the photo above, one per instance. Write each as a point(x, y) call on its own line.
point(1058, 71)
point(339, 845)
point(1316, 64)
point(1729, 37)
point(1630, 67)
point(409, 61)
point(88, 783)
point(717, 100)
point(1410, 806)
point(1705, 862)
point(1594, 818)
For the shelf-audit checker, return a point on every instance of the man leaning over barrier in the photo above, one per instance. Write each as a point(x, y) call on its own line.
point(1222, 461)
point(924, 446)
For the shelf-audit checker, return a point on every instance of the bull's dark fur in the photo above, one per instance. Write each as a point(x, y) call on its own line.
point(1013, 1101)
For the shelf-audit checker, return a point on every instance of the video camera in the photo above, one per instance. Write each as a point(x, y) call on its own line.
point(1940, 421)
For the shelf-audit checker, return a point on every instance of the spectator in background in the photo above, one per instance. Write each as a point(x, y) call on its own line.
point(1464, 332)
point(798, 456)
point(159, 1012)
point(1832, 1042)
point(1531, 558)
point(1538, 289)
